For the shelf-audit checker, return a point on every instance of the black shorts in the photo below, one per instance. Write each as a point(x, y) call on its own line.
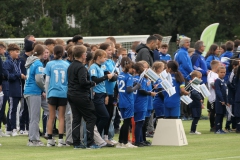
point(56, 101)
point(211, 107)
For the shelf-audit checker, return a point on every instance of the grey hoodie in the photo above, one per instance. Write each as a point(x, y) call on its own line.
point(39, 78)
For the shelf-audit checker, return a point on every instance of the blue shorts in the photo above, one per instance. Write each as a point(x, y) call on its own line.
point(160, 112)
point(148, 113)
point(196, 112)
point(126, 112)
point(139, 116)
point(172, 112)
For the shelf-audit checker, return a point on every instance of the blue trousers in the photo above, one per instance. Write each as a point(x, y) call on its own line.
point(11, 117)
point(138, 132)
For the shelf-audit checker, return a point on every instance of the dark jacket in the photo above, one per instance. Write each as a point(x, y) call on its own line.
point(144, 53)
point(196, 97)
point(79, 83)
point(221, 96)
point(12, 72)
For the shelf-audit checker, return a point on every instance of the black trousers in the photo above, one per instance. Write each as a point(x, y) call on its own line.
point(110, 109)
point(101, 111)
point(211, 110)
point(82, 107)
point(123, 136)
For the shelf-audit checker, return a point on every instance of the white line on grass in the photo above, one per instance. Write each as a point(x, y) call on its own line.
point(225, 158)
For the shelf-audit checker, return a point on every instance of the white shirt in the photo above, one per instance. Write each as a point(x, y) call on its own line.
point(212, 76)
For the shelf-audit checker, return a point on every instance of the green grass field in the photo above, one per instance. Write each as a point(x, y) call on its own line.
point(207, 146)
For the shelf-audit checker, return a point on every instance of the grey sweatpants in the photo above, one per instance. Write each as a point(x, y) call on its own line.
point(35, 102)
point(34, 110)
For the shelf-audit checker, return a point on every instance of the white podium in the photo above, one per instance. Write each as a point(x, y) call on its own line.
point(169, 132)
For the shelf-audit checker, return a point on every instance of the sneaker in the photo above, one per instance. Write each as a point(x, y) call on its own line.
point(139, 144)
point(61, 143)
point(147, 143)
point(40, 143)
point(94, 146)
point(69, 143)
point(21, 132)
point(184, 118)
point(50, 143)
point(33, 144)
point(108, 141)
point(223, 132)
point(113, 142)
point(80, 146)
point(220, 132)
point(228, 131)
point(129, 145)
point(2, 134)
point(106, 145)
point(196, 132)
point(14, 133)
point(120, 145)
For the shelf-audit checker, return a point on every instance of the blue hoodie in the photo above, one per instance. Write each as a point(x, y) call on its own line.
point(184, 62)
point(199, 64)
point(12, 72)
point(210, 59)
point(228, 54)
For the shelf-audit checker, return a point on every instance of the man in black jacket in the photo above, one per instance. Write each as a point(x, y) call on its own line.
point(145, 52)
point(79, 98)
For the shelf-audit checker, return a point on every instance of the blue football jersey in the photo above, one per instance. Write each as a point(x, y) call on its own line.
point(150, 99)
point(57, 71)
point(96, 71)
point(125, 99)
point(109, 66)
point(157, 101)
point(141, 101)
point(174, 100)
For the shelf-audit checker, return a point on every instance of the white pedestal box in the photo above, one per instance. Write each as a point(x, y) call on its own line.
point(169, 132)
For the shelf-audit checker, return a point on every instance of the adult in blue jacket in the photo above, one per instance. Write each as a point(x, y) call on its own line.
point(228, 54)
point(183, 59)
point(212, 54)
point(198, 60)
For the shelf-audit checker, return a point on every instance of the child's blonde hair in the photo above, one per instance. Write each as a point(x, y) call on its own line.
point(144, 63)
point(157, 65)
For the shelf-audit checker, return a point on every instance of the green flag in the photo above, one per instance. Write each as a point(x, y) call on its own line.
point(208, 36)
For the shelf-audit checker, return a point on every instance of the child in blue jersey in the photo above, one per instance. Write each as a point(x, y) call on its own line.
point(196, 105)
point(140, 104)
point(99, 91)
point(228, 54)
point(163, 53)
point(221, 99)
point(109, 67)
point(212, 54)
point(126, 101)
point(13, 74)
point(33, 90)
point(158, 101)
point(56, 91)
point(172, 104)
point(149, 107)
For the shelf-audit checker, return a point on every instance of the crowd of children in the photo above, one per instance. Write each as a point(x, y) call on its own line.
point(51, 75)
